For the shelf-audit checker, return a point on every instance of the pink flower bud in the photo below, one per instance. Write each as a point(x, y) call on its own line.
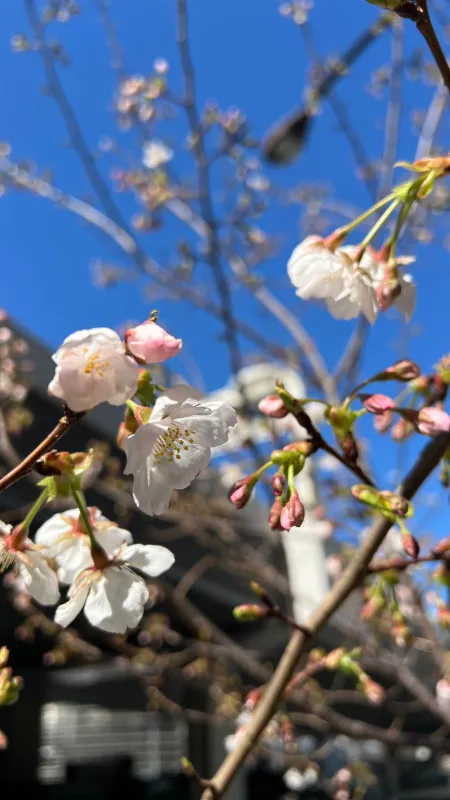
point(293, 513)
point(148, 343)
point(240, 492)
point(278, 483)
point(388, 289)
point(433, 421)
point(274, 515)
point(410, 544)
point(273, 406)
point(373, 691)
point(252, 699)
point(401, 430)
point(404, 370)
point(371, 608)
point(378, 403)
point(382, 422)
point(442, 546)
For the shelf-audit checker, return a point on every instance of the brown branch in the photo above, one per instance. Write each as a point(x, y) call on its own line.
point(321, 444)
point(65, 423)
point(400, 564)
point(420, 14)
point(350, 579)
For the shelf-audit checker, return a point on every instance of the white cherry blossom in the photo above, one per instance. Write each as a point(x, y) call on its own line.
point(114, 596)
point(63, 538)
point(92, 367)
point(155, 154)
point(175, 445)
point(333, 276)
point(39, 579)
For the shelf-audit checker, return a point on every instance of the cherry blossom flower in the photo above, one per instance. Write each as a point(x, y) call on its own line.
point(333, 276)
point(92, 367)
point(170, 450)
point(64, 538)
point(112, 594)
point(148, 343)
point(155, 154)
point(22, 555)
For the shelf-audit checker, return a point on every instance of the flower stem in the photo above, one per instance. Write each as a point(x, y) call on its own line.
point(79, 498)
point(380, 222)
point(366, 214)
point(35, 509)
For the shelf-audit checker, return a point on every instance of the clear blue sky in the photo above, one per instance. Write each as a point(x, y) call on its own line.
point(248, 56)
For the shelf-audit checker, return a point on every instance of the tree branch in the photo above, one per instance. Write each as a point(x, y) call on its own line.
point(351, 578)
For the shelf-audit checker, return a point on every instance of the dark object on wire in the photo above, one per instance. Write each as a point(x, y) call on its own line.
point(288, 137)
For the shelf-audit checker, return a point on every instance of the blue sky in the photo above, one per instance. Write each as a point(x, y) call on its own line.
point(246, 55)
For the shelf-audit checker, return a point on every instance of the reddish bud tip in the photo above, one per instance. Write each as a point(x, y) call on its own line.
point(404, 370)
point(293, 513)
point(274, 515)
point(273, 406)
point(240, 492)
point(410, 544)
point(278, 483)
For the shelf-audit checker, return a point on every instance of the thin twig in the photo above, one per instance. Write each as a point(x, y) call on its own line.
point(128, 245)
point(65, 423)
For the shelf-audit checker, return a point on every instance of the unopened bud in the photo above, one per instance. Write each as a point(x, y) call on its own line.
point(252, 699)
point(333, 660)
point(55, 463)
point(420, 385)
point(388, 289)
point(274, 514)
point(187, 767)
point(401, 430)
point(293, 513)
point(241, 492)
point(4, 655)
point(383, 422)
point(249, 612)
point(403, 370)
point(410, 544)
point(273, 406)
point(377, 403)
point(371, 608)
point(278, 483)
point(372, 690)
point(442, 546)
point(433, 421)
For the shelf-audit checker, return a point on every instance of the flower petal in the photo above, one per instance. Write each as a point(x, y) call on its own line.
point(39, 579)
point(153, 559)
point(116, 602)
point(66, 613)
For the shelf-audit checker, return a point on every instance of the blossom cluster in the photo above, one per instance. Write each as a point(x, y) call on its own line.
point(101, 578)
point(167, 441)
point(351, 281)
